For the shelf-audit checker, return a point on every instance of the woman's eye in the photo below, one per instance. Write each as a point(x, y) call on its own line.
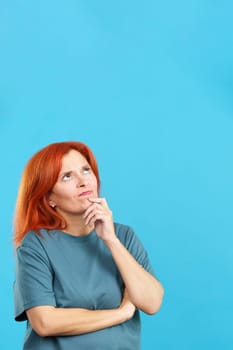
point(86, 170)
point(66, 177)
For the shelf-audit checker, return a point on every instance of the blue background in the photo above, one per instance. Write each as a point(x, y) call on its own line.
point(148, 86)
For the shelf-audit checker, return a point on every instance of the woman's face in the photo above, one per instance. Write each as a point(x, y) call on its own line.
point(75, 184)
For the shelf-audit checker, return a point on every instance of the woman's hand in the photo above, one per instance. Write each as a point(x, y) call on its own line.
point(99, 215)
point(127, 306)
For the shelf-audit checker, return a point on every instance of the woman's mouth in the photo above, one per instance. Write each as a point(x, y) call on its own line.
point(85, 194)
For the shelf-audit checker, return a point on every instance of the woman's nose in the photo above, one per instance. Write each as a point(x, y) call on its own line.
point(81, 181)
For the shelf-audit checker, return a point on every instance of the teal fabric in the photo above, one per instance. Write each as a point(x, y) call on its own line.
point(56, 268)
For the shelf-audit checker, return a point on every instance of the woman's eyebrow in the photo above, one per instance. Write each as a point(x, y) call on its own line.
point(65, 172)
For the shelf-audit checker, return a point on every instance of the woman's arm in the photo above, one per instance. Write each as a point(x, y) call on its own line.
point(52, 321)
point(145, 291)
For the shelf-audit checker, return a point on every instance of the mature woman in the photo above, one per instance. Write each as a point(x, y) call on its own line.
point(81, 279)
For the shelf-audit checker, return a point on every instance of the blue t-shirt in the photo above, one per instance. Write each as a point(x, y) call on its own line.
point(62, 270)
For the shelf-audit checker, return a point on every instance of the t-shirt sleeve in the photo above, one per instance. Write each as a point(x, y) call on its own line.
point(136, 248)
point(33, 284)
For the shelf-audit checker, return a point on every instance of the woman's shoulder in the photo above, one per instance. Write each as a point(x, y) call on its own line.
point(123, 232)
point(121, 227)
point(33, 238)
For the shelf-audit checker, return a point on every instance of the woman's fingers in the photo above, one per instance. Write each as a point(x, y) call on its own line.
point(101, 201)
point(96, 211)
point(89, 210)
point(93, 216)
point(96, 200)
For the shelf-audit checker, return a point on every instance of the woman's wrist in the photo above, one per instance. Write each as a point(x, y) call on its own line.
point(112, 241)
point(124, 314)
point(127, 308)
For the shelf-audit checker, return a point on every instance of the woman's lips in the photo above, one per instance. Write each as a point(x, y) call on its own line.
point(85, 194)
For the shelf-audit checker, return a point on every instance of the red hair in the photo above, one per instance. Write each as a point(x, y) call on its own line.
point(40, 175)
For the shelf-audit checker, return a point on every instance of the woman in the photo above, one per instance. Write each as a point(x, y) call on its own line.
point(80, 278)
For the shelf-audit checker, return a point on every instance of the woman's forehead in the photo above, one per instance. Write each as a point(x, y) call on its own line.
point(73, 158)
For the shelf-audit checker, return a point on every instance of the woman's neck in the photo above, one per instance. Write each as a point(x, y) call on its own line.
point(76, 226)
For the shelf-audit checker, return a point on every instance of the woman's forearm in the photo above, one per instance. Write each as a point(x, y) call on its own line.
point(144, 290)
point(52, 321)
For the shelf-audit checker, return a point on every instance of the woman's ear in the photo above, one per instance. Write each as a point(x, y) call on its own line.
point(52, 204)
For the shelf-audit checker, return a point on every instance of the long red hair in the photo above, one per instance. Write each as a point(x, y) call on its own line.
point(40, 175)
